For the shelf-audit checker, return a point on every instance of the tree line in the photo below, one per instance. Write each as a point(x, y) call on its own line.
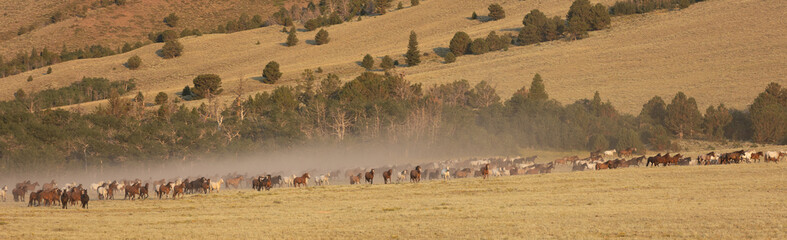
point(453, 119)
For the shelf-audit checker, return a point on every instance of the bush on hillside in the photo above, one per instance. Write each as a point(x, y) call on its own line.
point(171, 20)
point(459, 43)
point(496, 12)
point(134, 62)
point(171, 49)
point(271, 72)
point(322, 37)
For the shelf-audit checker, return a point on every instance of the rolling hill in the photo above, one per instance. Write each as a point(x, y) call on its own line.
point(722, 51)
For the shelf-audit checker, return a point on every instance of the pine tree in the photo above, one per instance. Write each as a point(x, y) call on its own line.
point(449, 57)
point(161, 98)
point(683, 116)
point(292, 39)
point(322, 37)
point(368, 62)
point(496, 12)
point(413, 56)
point(459, 43)
point(537, 89)
point(387, 63)
point(271, 72)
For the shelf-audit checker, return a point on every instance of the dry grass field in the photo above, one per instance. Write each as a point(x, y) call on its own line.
point(720, 51)
point(113, 25)
point(698, 202)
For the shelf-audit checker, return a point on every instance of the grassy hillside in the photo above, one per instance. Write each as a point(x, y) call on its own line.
point(705, 50)
point(707, 202)
point(89, 22)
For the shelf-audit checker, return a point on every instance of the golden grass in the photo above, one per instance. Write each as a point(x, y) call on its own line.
point(722, 51)
point(698, 202)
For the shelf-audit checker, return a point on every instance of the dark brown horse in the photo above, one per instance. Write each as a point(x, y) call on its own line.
point(387, 176)
point(304, 180)
point(415, 175)
point(64, 199)
point(653, 160)
point(485, 171)
point(369, 176)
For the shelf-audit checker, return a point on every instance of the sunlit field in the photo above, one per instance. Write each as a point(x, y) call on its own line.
point(707, 202)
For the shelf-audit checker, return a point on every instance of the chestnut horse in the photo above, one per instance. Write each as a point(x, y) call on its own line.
point(387, 176)
point(415, 175)
point(485, 171)
point(355, 179)
point(369, 176)
point(301, 180)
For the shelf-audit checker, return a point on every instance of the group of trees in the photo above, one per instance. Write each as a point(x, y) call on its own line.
point(765, 121)
point(449, 119)
point(36, 59)
point(581, 18)
point(86, 90)
point(627, 7)
point(387, 63)
point(462, 44)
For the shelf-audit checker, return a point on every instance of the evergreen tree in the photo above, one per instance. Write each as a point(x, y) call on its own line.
point(413, 56)
point(171, 49)
point(769, 115)
point(207, 85)
point(161, 98)
point(654, 111)
point(496, 12)
point(459, 43)
point(683, 117)
point(387, 63)
point(414, 3)
point(538, 91)
point(134, 62)
point(479, 46)
point(368, 62)
point(322, 37)
point(449, 57)
point(271, 72)
point(292, 39)
point(715, 120)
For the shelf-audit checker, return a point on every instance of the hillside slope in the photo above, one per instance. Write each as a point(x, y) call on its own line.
point(87, 22)
point(717, 51)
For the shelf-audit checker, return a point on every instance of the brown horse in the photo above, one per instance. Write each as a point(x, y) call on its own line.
point(600, 166)
point(626, 152)
point(178, 190)
point(164, 190)
point(415, 175)
point(355, 179)
point(301, 180)
point(369, 176)
point(485, 171)
point(387, 176)
point(50, 185)
point(64, 199)
point(755, 157)
point(75, 194)
point(653, 160)
point(235, 182)
point(132, 191)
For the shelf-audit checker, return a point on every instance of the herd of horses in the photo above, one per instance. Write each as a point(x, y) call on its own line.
point(71, 193)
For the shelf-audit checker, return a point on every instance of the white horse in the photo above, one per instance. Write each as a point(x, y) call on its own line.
point(610, 153)
point(445, 173)
point(102, 192)
point(323, 179)
point(2, 192)
point(288, 180)
point(95, 186)
point(216, 185)
point(401, 176)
